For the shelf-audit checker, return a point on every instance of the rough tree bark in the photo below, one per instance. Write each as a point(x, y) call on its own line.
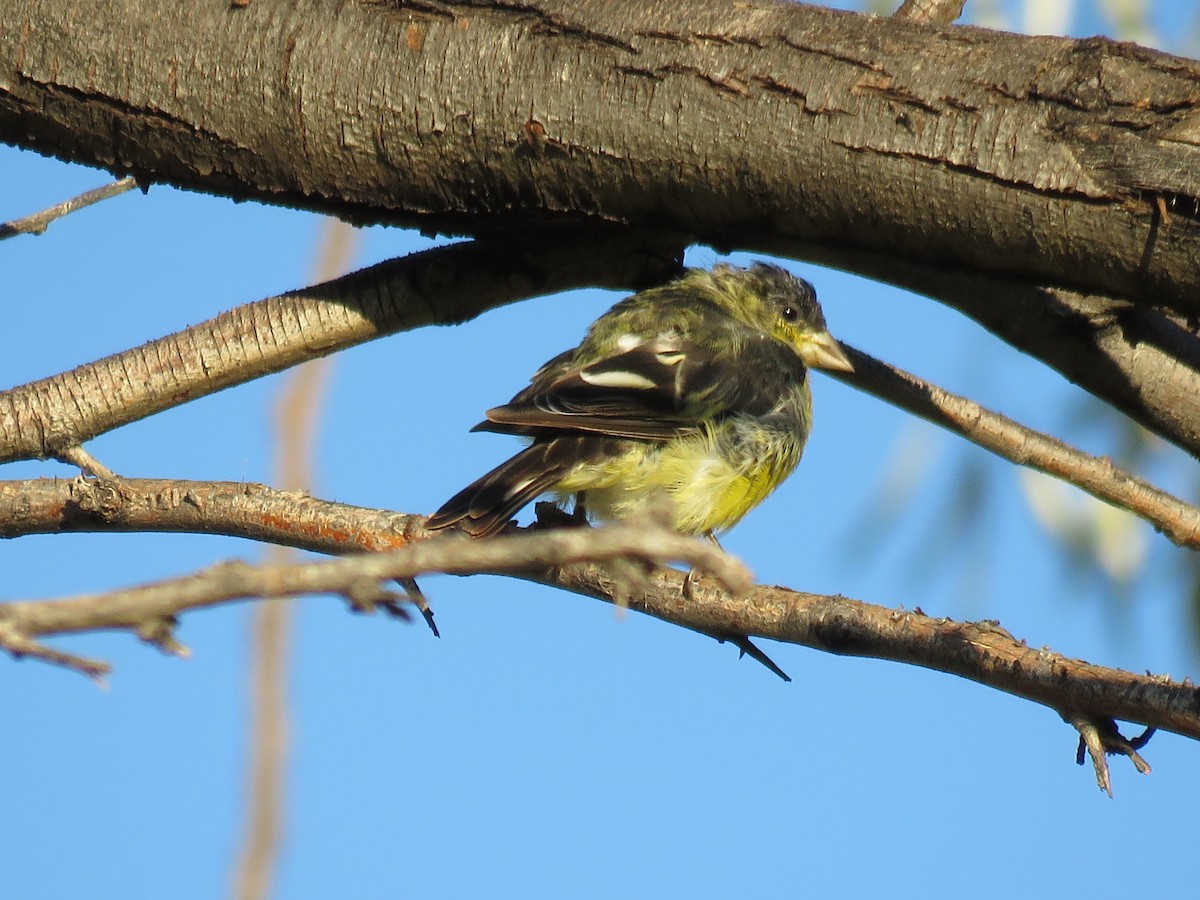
point(928, 154)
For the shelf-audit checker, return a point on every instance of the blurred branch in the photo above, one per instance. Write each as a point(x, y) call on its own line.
point(445, 286)
point(266, 763)
point(296, 409)
point(939, 12)
point(1178, 520)
point(39, 222)
point(982, 652)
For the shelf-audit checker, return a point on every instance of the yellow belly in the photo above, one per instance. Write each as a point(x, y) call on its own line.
point(711, 482)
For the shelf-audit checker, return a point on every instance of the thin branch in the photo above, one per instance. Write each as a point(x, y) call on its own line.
point(358, 577)
point(1138, 360)
point(1178, 520)
point(1141, 361)
point(40, 221)
point(445, 286)
point(939, 12)
point(21, 646)
point(979, 651)
point(982, 652)
point(88, 464)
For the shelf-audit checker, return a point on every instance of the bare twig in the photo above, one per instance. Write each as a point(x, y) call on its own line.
point(40, 221)
point(1178, 520)
point(1099, 736)
point(88, 464)
point(132, 608)
point(20, 646)
point(940, 12)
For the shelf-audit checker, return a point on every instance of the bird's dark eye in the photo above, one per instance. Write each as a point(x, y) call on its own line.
point(790, 314)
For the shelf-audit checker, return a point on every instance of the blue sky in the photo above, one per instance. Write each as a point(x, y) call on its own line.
point(545, 746)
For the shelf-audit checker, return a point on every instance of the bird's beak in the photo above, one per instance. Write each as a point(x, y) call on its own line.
point(821, 351)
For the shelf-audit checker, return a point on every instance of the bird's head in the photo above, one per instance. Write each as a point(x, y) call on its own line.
point(774, 300)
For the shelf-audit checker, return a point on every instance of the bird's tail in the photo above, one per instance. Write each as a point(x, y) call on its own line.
point(485, 506)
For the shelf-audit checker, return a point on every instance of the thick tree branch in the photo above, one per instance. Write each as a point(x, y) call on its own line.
point(982, 652)
point(444, 286)
point(1053, 182)
point(771, 126)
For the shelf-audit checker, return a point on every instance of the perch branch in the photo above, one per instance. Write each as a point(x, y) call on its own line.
point(982, 652)
point(1178, 520)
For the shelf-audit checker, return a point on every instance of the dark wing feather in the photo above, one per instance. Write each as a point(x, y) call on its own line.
point(654, 392)
point(485, 506)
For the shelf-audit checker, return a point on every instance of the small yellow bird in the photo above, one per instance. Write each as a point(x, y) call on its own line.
point(696, 390)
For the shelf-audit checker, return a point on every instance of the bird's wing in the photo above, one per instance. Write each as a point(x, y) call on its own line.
point(654, 391)
point(485, 506)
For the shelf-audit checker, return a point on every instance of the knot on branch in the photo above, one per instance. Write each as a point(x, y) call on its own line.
point(95, 499)
point(160, 632)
